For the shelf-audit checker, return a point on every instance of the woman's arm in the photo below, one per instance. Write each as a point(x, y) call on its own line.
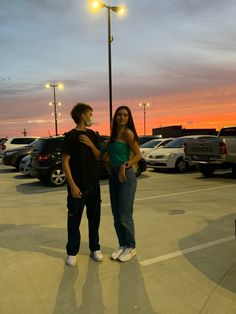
point(136, 154)
point(86, 140)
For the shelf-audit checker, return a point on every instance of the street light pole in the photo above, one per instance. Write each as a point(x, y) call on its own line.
point(109, 61)
point(120, 10)
point(144, 115)
point(55, 103)
point(55, 107)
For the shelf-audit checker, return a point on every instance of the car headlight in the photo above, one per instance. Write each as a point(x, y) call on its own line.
point(9, 153)
point(170, 155)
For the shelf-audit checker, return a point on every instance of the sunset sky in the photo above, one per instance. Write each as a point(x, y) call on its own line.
point(178, 55)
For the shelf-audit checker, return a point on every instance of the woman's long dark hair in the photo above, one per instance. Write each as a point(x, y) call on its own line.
point(130, 124)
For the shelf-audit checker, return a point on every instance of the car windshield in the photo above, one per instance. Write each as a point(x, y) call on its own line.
point(151, 144)
point(176, 143)
point(228, 132)
point(33, 143)
point(48, 144)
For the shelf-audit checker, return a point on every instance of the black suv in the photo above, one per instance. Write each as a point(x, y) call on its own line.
point(46, 161)
point(12, 157)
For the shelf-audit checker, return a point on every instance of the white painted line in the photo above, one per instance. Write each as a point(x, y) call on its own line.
point(178, 193)
point(185, 192)
point(162, 258)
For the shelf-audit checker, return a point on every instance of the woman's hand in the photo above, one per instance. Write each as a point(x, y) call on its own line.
point(86, 140)
point(121, 175)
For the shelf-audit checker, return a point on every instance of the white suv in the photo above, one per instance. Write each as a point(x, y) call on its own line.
point(172, 155)
point(13, 142)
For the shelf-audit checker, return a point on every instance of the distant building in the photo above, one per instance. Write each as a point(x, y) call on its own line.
point(177, 130)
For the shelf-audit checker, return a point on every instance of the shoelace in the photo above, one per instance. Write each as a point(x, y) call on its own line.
point(127, 251)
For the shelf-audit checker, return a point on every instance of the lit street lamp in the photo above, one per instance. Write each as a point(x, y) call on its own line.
point(144, 114)
point(55, 103)
point(119, 10)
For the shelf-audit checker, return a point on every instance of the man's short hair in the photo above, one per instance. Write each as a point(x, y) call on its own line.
point(78, 110)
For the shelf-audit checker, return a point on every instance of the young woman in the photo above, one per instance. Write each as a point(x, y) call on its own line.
point(123, 152)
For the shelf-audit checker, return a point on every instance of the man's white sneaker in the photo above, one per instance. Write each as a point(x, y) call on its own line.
point(117, 253)
point(71, 260)
point(127, 254)
point(97, 256)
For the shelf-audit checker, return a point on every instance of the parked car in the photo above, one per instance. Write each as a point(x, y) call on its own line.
point(172, 155)
point(12, 157)
point(24, 167)
point(216, 153)
point(145, 138)
point(2, 139)
point(13, 142)
point(150, 145)
point(46, 162)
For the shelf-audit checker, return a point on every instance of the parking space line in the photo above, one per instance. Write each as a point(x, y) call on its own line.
point(185, 192)
point(178, 193)
point(165, 257)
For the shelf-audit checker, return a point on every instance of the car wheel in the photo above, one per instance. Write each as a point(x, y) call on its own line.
point(17, 165)
point(181, 165)
point(138, 171)
point(207, 170)
point(57, 177)
point(141, 167)
point(234, 171)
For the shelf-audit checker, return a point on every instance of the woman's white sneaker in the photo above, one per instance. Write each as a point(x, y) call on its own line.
point(127, 254)
point(71, 260)
point(117, 253)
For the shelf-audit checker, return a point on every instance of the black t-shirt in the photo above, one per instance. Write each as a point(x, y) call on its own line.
point(83, 165)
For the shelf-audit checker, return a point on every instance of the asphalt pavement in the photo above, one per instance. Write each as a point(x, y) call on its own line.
point(186, 249)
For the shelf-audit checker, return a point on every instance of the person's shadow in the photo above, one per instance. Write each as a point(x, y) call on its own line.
point(51, 242)
point(133, 297)
point(91, 297)
point(92, 300)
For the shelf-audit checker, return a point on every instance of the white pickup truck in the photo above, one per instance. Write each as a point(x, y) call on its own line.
point(210, 154)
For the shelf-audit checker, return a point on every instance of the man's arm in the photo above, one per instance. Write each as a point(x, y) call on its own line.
point(75, 191)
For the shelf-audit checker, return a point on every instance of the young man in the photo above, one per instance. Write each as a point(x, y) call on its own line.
point(80, 163)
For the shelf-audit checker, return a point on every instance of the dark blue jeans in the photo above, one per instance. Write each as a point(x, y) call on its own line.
point(122, 199)
point(91, 198)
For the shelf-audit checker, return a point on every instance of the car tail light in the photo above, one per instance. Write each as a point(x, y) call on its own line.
point(42, 157)
point(223, 148)
point(3, 146)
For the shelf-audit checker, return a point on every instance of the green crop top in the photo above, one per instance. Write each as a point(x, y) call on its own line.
point(119, 153)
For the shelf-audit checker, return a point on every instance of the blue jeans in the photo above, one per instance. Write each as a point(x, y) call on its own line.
point(122, 199)
point(92, 200)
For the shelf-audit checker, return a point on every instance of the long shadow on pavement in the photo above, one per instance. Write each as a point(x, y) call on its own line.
point(217, 262)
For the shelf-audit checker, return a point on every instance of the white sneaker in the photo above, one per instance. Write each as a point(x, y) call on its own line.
point(117, 253)
point(127, 254)
point(97, 256)
point(71, 260)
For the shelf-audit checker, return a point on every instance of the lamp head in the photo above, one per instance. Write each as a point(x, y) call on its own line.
point(119, 10)
point(97, 4)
